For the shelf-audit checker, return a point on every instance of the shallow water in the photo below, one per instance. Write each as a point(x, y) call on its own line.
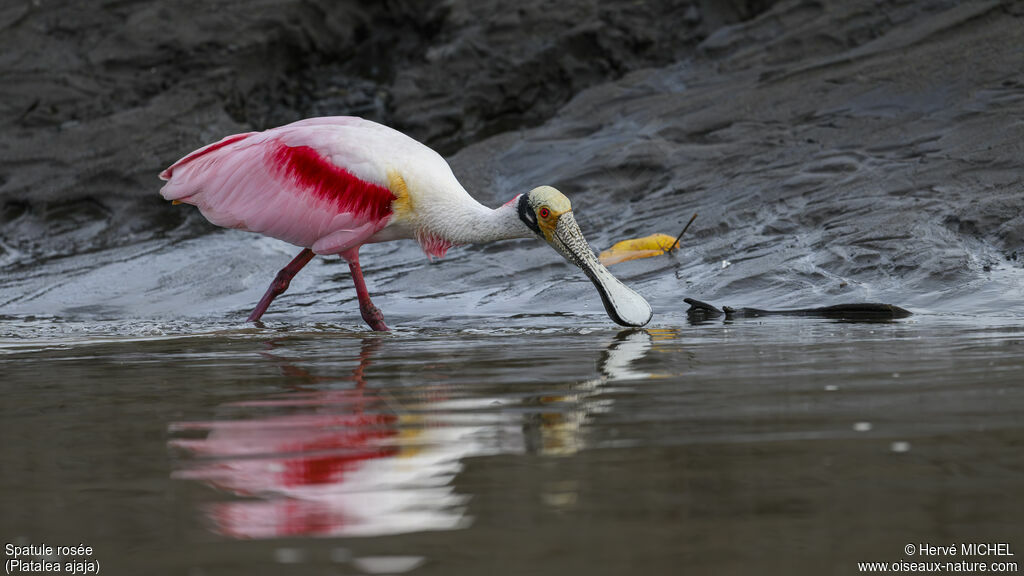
point(767, 446)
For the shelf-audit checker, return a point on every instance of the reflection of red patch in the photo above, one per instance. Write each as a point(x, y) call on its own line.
point(288, 451)
point(275, 519)
point(327, 469)
point(331, 468)
point(319, 450)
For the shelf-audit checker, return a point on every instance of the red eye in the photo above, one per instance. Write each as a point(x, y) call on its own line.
point(544, 213)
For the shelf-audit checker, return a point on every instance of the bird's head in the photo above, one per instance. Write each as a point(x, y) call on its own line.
point(548, 213)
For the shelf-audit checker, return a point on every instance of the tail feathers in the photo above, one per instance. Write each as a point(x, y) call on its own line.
point(179, 189)
point(169, 172)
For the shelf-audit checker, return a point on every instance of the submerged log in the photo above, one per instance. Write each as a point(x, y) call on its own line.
point(854, 311)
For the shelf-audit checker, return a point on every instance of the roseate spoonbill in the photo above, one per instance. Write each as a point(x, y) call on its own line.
point(333, 184)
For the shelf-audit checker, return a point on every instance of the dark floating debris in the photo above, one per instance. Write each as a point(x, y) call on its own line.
point(700, 311)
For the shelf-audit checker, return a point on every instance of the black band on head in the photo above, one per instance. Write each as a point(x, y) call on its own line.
point(526, 214)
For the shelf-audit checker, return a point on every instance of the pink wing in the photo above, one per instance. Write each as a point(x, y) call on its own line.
point(314, 183)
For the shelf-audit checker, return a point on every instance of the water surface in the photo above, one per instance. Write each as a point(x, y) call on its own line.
point(765, 446)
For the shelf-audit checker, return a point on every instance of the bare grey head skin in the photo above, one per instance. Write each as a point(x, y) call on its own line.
point(548, 213)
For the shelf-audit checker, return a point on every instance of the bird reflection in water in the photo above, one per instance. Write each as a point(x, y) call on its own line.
point(559, 432)
point(362, 461)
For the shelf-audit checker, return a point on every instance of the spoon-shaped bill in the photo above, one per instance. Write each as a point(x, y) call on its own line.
point(623, 305)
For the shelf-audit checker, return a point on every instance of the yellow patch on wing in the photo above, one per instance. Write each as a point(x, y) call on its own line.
point(635, 248)
point(402, 206)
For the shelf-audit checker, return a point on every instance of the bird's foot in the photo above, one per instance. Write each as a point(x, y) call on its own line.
point(373, 317)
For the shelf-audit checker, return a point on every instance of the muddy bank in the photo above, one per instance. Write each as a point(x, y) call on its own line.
point(835, 151)
point(831, 158)
point(98, 98)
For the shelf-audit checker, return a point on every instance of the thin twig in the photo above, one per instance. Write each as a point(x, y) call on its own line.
point(676, 243)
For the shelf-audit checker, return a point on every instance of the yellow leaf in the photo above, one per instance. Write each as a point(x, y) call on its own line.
point(646, 247)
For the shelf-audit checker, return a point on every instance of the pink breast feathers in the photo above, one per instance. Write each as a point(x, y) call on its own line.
point(305, 168)
point(433, 246)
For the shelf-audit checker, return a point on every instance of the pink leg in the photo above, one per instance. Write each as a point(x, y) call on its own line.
point(371, 314)
point(281, 282)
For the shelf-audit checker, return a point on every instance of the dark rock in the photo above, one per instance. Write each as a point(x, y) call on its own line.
point(97, 98)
